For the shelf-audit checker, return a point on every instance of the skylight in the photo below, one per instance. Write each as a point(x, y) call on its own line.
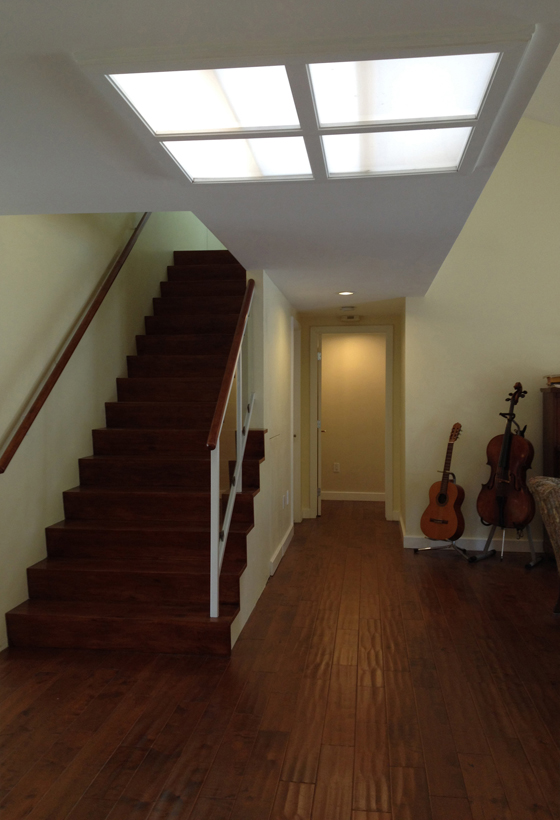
point(385, 152)
point(223, 99)
point(371, 117)
point(407, 90)
point(242, 159)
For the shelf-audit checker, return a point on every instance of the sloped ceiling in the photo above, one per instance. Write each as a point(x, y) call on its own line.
point(64, 148)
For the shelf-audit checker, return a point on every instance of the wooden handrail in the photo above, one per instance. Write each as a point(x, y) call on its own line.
point(229, 373)
point(58, 368)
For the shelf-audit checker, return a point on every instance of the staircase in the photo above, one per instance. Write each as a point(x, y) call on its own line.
point(128, 568)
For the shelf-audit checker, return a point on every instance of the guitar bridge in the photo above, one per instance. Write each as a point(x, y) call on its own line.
point(438, 521)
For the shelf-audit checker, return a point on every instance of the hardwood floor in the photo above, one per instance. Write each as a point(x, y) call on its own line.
point(369, 684)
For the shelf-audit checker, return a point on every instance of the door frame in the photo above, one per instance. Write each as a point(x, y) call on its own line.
point(314, 334)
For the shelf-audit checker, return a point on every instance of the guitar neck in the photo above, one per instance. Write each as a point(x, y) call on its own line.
point(447, 467)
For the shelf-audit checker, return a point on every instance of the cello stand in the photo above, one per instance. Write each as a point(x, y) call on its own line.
point(446, 545)
point(487, 552)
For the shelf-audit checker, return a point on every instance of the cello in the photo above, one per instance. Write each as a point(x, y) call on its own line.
point(505, 500)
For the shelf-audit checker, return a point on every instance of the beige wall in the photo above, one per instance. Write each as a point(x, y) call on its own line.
point(388, 312)
point(490, 319)
point(353, 413)
point(50, 267)
point(271, 376)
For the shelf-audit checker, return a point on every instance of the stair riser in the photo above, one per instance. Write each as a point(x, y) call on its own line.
point(160, 545)
point(210, 273)
point(192, 444)
point(250, 475)
point(146, 389)
point(181, 325)
point(156, 588)
point(118, 633)
point(202, 345)
point(214, 257)
point(159, 367)
point(100, 472)
point(146, 506)
point(125, 506)
point(156, 415)
point(203, 289)
point(255, 444)
point(180, 305)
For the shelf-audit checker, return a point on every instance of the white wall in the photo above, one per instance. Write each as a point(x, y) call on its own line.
point(491, 318)
point(51, 265)
point(271, 316)
point(353, 416)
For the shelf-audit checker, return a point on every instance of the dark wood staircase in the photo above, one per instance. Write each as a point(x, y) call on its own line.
point(128, 568)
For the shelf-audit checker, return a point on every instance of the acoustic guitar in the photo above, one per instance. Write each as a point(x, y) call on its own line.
point(443, 519)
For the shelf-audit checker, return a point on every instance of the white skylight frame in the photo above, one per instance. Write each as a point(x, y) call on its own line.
point(312, 133)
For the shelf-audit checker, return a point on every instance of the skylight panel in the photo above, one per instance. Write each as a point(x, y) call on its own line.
point(215, 100)
point(239, 159)
point(385, 152)
point(411, 89)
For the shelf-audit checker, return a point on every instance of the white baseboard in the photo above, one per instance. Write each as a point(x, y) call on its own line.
point(332, 495)
point(306, 513)
point(476, 544)
point(280, 550)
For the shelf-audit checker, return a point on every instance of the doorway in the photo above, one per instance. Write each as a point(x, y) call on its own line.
point(348, 453)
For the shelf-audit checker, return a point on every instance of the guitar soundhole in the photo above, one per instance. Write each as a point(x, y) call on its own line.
point(442, 499)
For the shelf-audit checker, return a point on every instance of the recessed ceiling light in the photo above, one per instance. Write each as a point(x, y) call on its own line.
point(345, 292)
point(410, 89)
point(239, 159)
point(223, 99)
point(385, 152)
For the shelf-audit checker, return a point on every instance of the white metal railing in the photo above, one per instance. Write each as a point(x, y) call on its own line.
point(219, 528)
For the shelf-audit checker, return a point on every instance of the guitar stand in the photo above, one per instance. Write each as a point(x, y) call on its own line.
point(460, 550)
point(487, 552)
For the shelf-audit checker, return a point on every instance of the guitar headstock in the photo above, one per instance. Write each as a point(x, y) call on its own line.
point(455, 433)
point(518, 393)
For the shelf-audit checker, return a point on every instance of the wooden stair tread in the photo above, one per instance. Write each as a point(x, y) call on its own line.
point(212, 361)
point(171, 490)
point(157, 405)
point(115, 610)
point(195, 566)
point(77, 525)
point(150, 459)
point(168, 431)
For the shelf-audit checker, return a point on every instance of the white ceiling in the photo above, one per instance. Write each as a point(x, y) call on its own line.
point(64, 148)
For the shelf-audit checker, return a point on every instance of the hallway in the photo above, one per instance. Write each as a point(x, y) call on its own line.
point(369, 684)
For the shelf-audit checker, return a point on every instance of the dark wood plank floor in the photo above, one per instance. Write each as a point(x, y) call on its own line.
point(369, 684)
